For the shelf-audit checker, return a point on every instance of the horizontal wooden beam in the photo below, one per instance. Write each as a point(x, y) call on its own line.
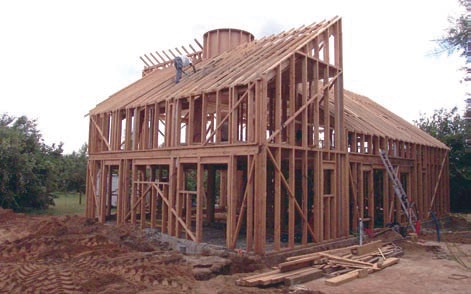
point(206, 152)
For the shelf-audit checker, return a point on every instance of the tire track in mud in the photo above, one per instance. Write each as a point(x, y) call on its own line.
point(69, 255)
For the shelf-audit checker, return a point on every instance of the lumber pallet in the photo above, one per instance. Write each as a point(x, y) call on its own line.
point(339, 266)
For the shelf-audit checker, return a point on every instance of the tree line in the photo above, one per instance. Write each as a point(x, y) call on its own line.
point(31, 170)
point(451, 128)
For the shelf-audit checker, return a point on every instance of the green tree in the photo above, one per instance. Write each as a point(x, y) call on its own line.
point(73, 170)
point(449, 127)
point(28, 172)
point(458, 34)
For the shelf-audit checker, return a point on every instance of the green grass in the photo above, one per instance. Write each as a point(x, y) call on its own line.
point(66, 204)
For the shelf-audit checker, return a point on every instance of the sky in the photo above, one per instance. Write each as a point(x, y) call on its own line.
point(58, 59)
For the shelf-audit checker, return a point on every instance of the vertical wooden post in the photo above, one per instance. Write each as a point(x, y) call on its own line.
point(233, 97)
point(178, 197)
point(188, 203)
point(278, 102)
point(91, 136)
point(292, 101)
point(172, 178)
point(106, 130)
point(91, 194)
point(142, 177)
point(385, 197)
point(420, 190)
point(304, 115)
point(223, 189)
point(371, 200)
point(210, 193)
point(291, 205)
point(345, 194)
point(340, 143)
point(126, 185)
point(361, 190)
point(250, 205)
point(88, 199)
point(336, 187)
point(326, 51)
point(128, 133)
point(109, 190)
point(427, 179)
point(177, 118)
point(114, 141)
point(201, 119)
point(165, 210)
point(103, 193)
point(153, 198)
point(218, 116)
point(414, 180)
point(95, 209)
point(120, 194)
point(87, 190)
point(135, 129)
point(316, 114)
point(155, 126)
point(232, 202)
point(193, 121)
point(199, 200)
point(260, 204)
point(145, 129)
point(304, 174)
point(277, 154)
point(318, 203)
point(169, 123)
point(277, 200)
point(250, 115)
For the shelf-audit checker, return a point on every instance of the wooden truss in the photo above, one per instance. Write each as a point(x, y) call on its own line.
point(257, 139)
point(158, 61)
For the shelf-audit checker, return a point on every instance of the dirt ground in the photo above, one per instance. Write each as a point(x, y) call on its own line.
point(424, 268)
point(70, 254)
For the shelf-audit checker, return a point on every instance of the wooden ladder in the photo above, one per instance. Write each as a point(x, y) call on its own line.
point(399, 190)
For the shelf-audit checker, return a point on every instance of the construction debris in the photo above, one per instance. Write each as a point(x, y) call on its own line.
point(338, 265)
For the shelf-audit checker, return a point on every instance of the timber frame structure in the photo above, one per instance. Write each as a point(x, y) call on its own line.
point(262, 138)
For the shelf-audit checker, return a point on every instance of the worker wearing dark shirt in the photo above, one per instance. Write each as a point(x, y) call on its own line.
point(181, 62)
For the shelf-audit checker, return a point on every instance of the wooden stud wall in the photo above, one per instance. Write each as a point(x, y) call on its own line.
point(425, 168)
point(287, 167)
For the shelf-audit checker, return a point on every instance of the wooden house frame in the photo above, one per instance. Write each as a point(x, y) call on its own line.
point(264, 136)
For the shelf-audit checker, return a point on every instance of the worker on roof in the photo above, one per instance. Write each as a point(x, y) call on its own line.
point(181, 62)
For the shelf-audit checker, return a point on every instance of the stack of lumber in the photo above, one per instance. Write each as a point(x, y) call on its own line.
point(337, 265)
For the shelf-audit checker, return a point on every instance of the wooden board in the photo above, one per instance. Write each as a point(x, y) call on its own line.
point(339, 280)
point(304, 277)
point(298, 263)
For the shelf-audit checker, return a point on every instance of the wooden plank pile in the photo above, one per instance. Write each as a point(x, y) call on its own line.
point(338, 265)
